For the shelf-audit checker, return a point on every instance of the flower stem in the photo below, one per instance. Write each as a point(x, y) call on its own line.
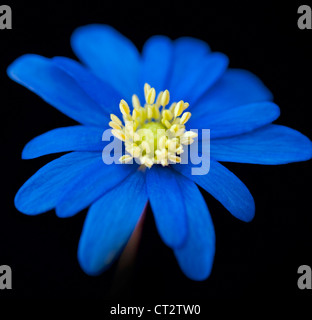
point(125, 267)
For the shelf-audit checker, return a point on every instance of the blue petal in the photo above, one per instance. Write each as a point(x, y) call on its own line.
point(196, 256)
point(272, 144)
point(76, 138)
point(157, 62)
point(190, 46)
point(187, 52)
point(201, 76)
point(110, 55)
point(237, 120)
point(167, 203)
point(236, 87)
point(41, 76)
point(110, 223)
point(223, 185)
point(89, 187)
point(43, 190)
point(101, 92)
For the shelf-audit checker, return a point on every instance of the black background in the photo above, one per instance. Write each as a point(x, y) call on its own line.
point(255, 260)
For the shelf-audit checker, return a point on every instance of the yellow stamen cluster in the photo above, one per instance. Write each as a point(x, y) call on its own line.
point(153, 134)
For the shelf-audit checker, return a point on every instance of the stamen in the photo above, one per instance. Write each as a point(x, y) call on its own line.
point(124, 108)
point(159, 97)
point(167, 115)
point(151, 135)
point(136, 102)
point(146, 89)
point(119, 134)
point(150, 97)
point(149, 112)
point(174, 158)
point(115, 119)
point(178, 109)
point(135, 114)
point(125, 159)
point(114, 125)
point(165, 98)
point(185, 118)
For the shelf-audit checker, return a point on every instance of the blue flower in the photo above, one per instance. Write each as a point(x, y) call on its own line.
point(233, 103)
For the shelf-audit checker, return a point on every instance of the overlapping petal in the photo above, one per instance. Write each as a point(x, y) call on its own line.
point(103, 93)
point(272, 144)
point(235, 88)
point(237, 120)
point(157, 59)
point(194, 70)
point(110, 55)
point(223, 185)
point(41, 76)
point(110, 222)
point(75, 138)
point(43, 190)
point(196, 256)
point(167, 203)
point(203, 74)
point(187, 55)
point(187, 51)
point(90, 186)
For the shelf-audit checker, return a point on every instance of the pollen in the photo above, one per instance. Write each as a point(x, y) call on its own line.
point(153, 134)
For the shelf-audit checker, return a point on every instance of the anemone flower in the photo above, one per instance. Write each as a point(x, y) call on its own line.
point(172, 86)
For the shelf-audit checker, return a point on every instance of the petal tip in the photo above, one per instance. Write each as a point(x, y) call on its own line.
point(91, 268)
point(26, 152)
point(250, 212)
point(19, 63)
point(22, 205)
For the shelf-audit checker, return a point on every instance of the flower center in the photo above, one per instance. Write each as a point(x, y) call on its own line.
point(153, 134)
